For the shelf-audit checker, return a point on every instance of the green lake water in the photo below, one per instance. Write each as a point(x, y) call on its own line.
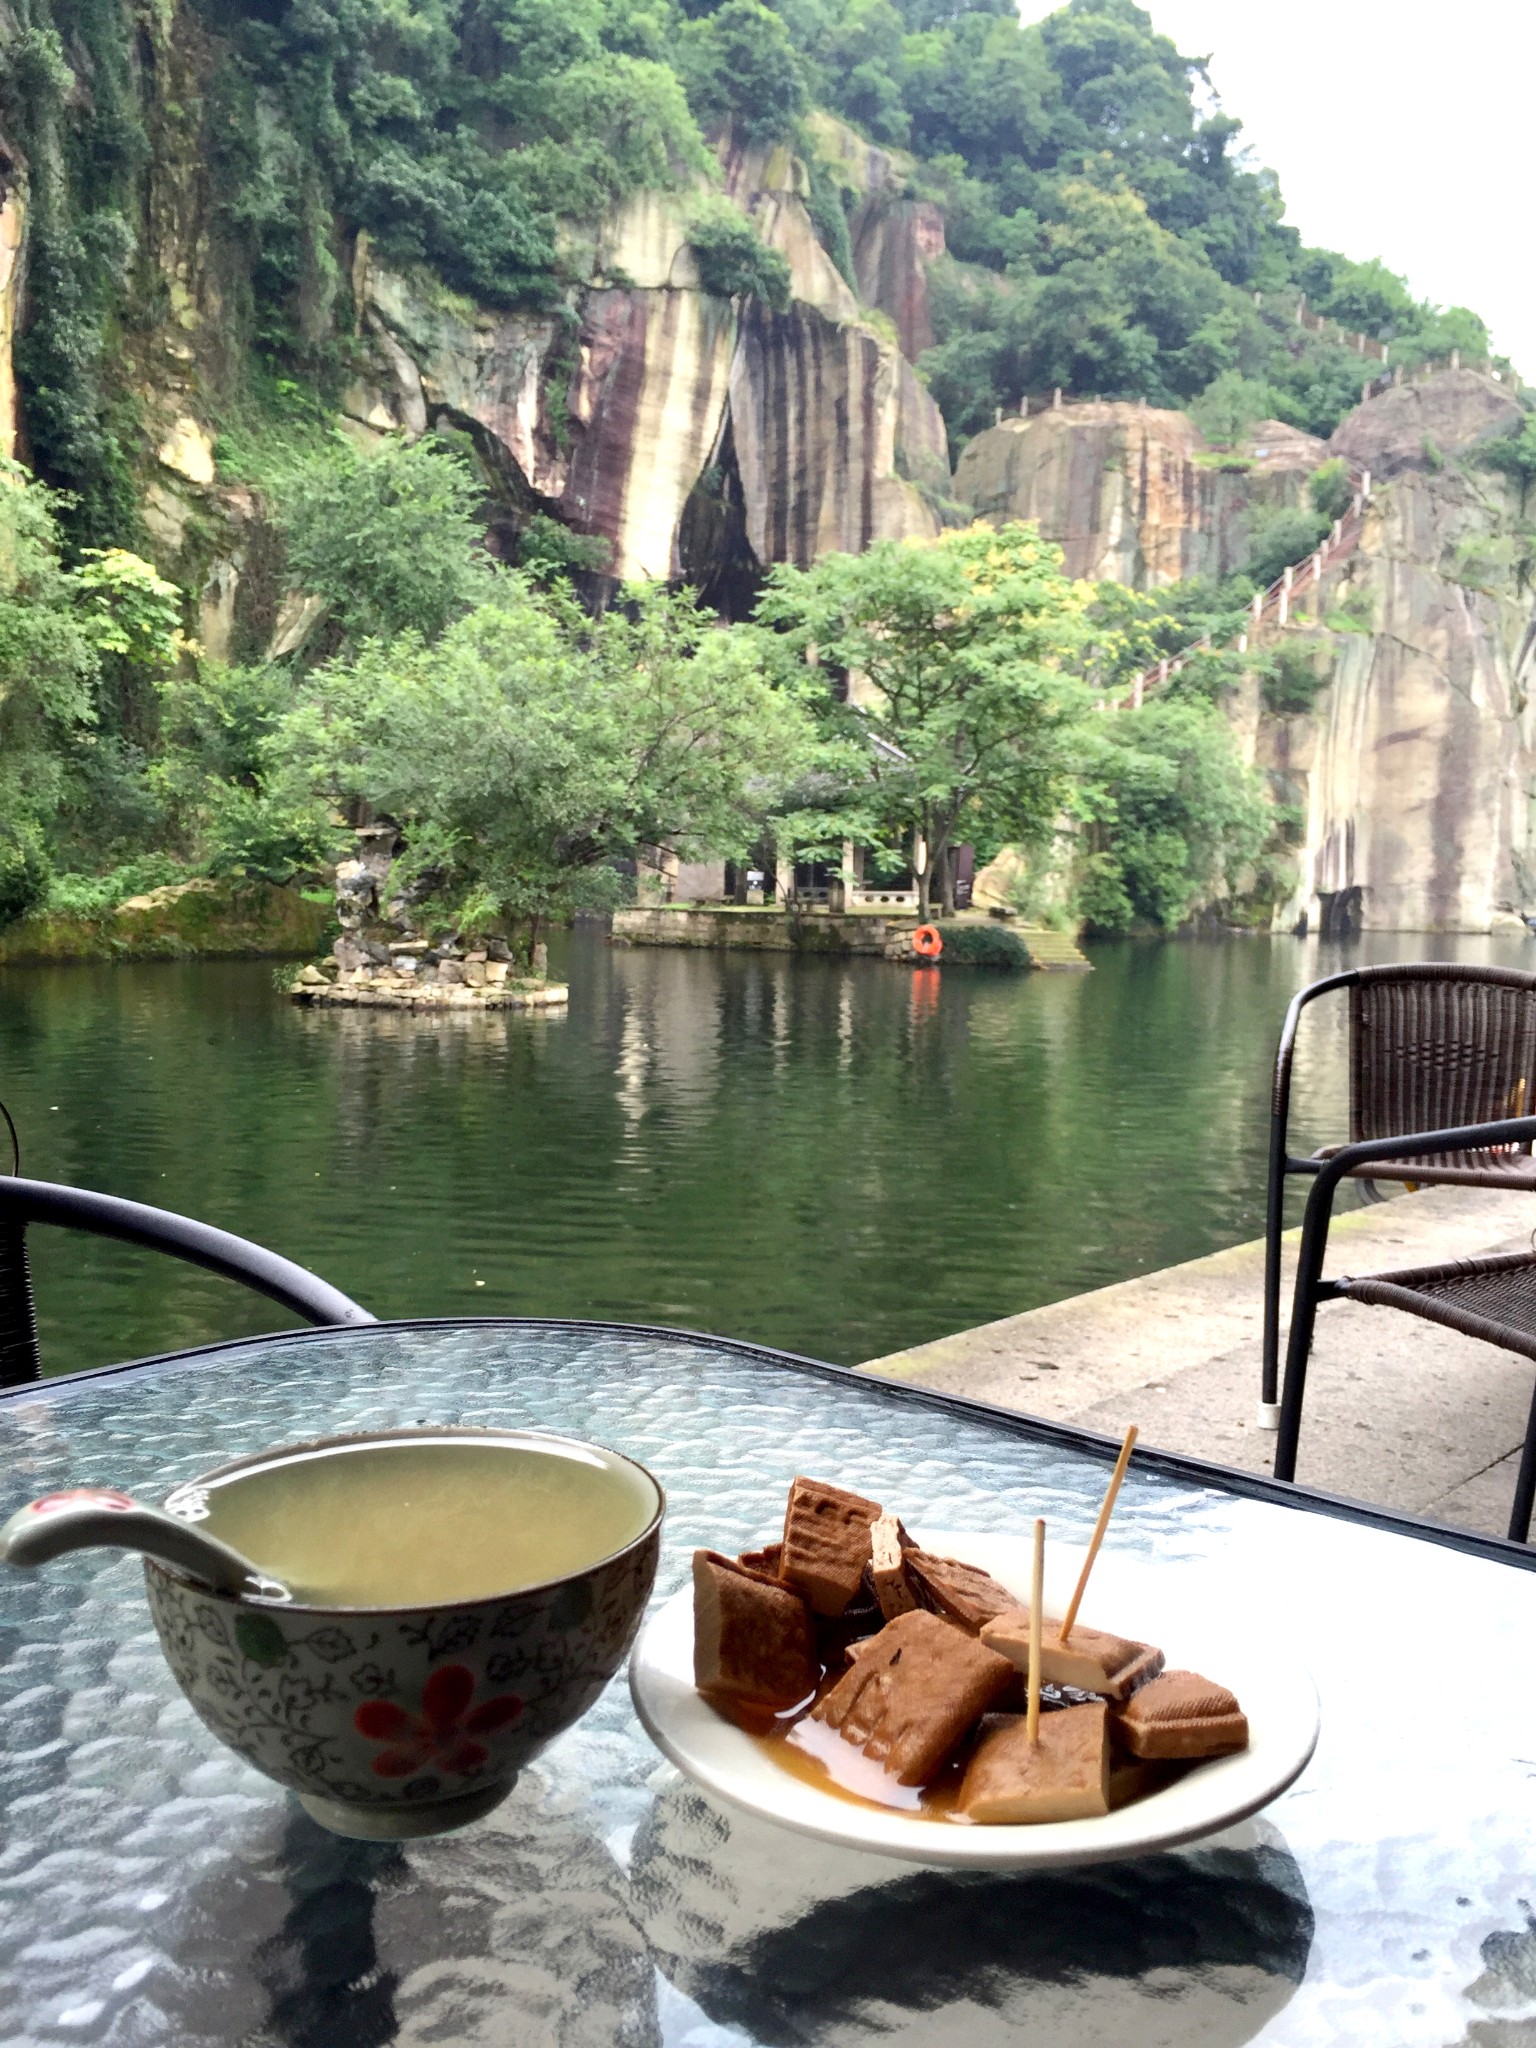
point(839, 1158)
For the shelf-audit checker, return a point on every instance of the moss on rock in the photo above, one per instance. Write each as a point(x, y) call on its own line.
point(235, 919)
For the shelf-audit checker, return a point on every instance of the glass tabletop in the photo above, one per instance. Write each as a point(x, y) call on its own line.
point(153, 1888)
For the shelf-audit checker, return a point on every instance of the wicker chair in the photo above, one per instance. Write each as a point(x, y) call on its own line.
point(39, 1201)
point(1492, 1298)
point(1431, 1047)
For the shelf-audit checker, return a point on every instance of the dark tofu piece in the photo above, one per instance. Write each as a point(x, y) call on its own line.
point(1181, 1715)
point(752, 1639)
point(1064, 1776)
point(963, 1593)
point(914, 1693)
point(764, 1562)
point(826, 1543)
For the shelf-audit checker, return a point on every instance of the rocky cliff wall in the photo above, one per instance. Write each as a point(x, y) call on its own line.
point(1410, 777)
point(810, 420)
point(13, 224)
point(696, 435)
point(1130, 493)
point(1413, 771)
point(894, 237)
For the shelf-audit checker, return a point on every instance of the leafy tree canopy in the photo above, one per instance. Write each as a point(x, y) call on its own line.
point(957, 698)
point(388, 539)
point(530, 747)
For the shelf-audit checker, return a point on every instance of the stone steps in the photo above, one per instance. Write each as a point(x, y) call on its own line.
point(1050, 949)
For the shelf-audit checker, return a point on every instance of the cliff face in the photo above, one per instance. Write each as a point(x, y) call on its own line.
point(894, 238)
point(1124, 492)
point(1410, 774)
point(696, 435)
point(13, 223)
point(806, 427)
point(1413, 770)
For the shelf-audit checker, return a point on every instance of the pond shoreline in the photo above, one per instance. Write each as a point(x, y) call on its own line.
point(235, 919)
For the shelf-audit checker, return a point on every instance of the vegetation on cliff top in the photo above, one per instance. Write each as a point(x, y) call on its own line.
point(1108, 233)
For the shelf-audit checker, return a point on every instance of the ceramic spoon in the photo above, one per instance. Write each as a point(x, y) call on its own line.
point(90, 1517)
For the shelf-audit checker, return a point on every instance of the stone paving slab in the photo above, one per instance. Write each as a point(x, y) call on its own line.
point(1398, 1412)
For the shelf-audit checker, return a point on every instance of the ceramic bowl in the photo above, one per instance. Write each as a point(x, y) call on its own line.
point(391, 1722)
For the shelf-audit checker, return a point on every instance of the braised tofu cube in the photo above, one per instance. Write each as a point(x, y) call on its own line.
point(1063, 1776)
point(963, 1593)
point(1182, 1715)
point(1089, 1661)
point(752, 1640)
point(826, 1543)
point(914, 1693)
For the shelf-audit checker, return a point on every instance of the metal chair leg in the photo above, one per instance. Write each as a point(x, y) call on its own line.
point(1269, 1388)
point(19, 1360)
point(1525, 1484)
point(1309, 1274)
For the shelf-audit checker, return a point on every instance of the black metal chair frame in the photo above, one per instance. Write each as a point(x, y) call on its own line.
point(23, 1202)
point(1312, 1289)
point(1283, 1163)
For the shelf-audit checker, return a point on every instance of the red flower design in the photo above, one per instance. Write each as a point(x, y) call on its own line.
point(443, 1733)
point(94, 1496)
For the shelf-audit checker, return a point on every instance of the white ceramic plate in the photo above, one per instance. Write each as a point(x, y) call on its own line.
point(1162, 1604)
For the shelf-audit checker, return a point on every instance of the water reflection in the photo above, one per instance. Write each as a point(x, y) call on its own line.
point(842, 1157)
point(793, 1942)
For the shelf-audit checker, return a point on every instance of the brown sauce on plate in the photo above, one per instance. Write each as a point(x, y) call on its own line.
point(818, 1756)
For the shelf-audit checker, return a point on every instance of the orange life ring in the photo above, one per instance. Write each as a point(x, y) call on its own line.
point(927, 942)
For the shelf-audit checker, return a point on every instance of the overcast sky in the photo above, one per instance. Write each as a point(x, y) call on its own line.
point(1398, 128)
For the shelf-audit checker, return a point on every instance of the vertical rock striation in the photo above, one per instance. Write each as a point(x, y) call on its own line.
point(1413, 772)
point(1409, 778)
point(13, 227)
point(1130, 493)
point(809, 422)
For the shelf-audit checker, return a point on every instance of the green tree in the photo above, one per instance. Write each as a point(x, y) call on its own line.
point(62, 631)
point(390, 539)
point(739, 65)
point(1330, 489)
point(1514, 456)
point(1229, 408)
point(954, 652)
point(531, 748)
point(1169, 817)
point(230, 793)
point(1279, 536)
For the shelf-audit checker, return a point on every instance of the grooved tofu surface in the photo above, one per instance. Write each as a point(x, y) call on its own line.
point(915, 1692)
point(827, 1543)
point(963, 1592)
point(752, 1640)
point(1182, 1714)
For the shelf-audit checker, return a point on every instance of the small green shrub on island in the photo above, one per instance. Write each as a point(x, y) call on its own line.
point(95, 896)
point(983, 945)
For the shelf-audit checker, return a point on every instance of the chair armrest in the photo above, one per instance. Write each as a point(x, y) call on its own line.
point(1509, 1130)
point(199, 1244)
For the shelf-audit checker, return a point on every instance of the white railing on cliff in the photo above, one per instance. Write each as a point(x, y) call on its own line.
point(1273, 606)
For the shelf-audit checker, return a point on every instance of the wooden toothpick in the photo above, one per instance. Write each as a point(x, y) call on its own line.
point(1036, 1601)
point(1098, 1533)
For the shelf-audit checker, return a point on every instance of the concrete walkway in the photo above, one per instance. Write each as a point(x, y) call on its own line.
point(1398, 1411)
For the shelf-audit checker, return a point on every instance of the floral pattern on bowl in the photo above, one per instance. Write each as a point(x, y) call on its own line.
point(401, 1721)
